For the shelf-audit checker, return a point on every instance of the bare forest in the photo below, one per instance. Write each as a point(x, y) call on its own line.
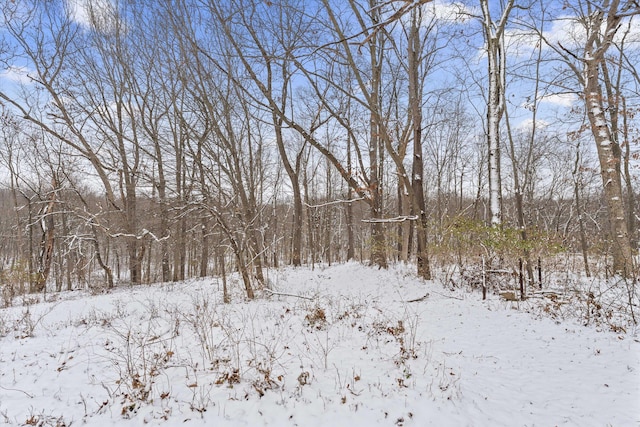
point(155, 141)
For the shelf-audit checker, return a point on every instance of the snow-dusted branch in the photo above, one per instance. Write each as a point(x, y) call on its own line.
point(401, 218)
point(334, 202)
point(140, 236)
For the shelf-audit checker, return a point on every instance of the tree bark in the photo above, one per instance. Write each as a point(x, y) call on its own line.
point(417, 170)
point(47, 243)
point(609, 156)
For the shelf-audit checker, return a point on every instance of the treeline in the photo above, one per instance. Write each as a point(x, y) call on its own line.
point(154, 141)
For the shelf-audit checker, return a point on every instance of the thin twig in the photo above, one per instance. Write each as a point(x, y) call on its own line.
point(448, 296)
point(31, 396)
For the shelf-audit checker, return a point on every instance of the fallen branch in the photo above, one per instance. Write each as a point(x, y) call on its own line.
point(284, 294)
point(448, 296)
point(422, 298)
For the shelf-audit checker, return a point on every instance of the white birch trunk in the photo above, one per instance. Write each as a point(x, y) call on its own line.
point(494, 40)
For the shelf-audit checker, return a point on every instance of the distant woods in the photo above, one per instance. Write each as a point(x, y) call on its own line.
point(149, 141)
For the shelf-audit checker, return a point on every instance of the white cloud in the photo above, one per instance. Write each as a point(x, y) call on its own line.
point(630, 31)
point(16, 74)
point(451, 12)
point(91, 13)
point(568, 32)
point(527, 124)
point(559, 99)
point(564, 30)
point(520, 42)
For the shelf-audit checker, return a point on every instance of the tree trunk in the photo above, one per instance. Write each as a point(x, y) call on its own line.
point(631, 198)
point(349, 211)
point(609, 156)
point(417, 170)
point(378, 241)
point(576, 191)
point(242, 268)
point(204, 256)
point(296, 238)
point(69, 257)
point(47, 243)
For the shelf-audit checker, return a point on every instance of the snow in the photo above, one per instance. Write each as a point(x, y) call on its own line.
point(365, 347)
point(600, 122)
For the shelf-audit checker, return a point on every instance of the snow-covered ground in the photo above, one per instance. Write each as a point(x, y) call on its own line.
point(350, 346)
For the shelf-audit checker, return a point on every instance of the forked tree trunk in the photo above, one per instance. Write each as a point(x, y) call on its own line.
point(494, 40)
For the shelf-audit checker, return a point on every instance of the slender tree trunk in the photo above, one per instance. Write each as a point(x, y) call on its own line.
point(164, 218)
point(32, 275)
point(69, 257)
point(310, 221)
point(404, 228)
point(577, 196)
point(349, 210)
point(296, 238)
point(19, 223)
point(417, 170)
point(47, 242)
point(223, 273)
point(242, 268)
point(517, 187)
point(631, 198)
point(204, 256)
point(102, 262)
point(378, 241)
point(328, 225)
point(257, 247)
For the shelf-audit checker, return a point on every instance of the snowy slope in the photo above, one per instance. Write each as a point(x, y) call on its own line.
point(345, 348)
